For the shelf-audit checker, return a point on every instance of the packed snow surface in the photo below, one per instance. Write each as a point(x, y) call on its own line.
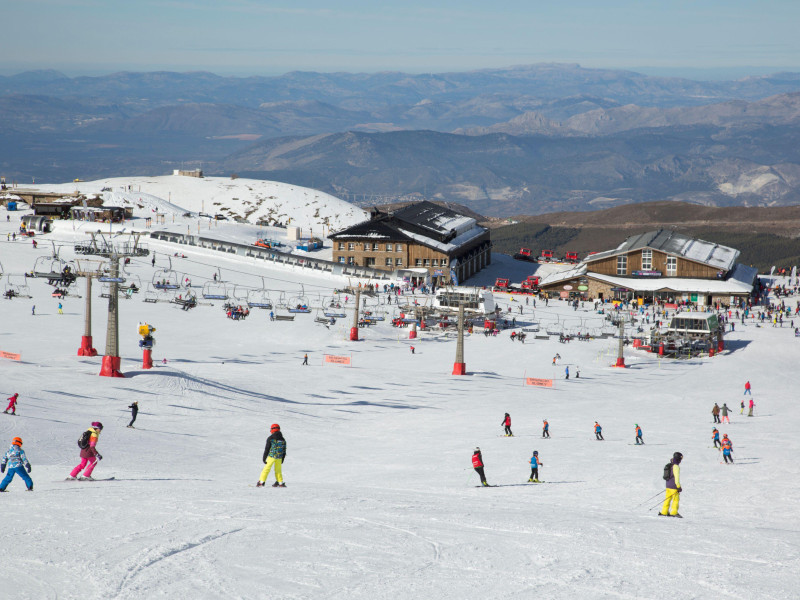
point(381, 499)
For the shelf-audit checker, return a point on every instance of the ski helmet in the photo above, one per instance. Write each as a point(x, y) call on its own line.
point(477, 449)
point(97, 425)
point(274, 427)
point(636, 425)
point(677, 457)
point(17, 441)
point(536, 453)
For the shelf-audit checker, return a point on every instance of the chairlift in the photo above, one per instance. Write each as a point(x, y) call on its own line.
point(259, 298)
point(215, 290)
point(16, 289)
point(299, 304)
point(240, 294)
point(166, 279)
point(150, 295)
point(333, 308)
point(50, 267)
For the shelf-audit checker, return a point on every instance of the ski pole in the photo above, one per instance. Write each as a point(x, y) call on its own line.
point(654, 506)
point(648, 500)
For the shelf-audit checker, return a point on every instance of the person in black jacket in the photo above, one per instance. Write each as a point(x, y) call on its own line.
point(274, 454)
point(134, 411)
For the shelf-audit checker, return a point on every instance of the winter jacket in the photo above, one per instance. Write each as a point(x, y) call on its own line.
point(535, 464)
point(134, 408)
point(90, 451)
point(638, 432)
point(715, 410)
point(727, 446)
point(506, 421)
point(15, 457)
point(597, 428)
point(724, 410)
point(716, 435)
point(546, 426)
point(276, 447)
point(674, 482)
point(477, 460)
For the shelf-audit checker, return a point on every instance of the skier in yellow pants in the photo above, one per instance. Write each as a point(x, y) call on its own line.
point(274, 454)
point(671, 502)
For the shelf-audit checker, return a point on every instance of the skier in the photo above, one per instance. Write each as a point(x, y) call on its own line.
point(727, 449)
point(741, 412)
point(60, 309)
point(715, 437)
point(566, 372)
point(546, 429)
point(477, 464)
point(750, 411)
point(639, 438)
point(507, 424)
point(673, 487)
point(12, 404)
point(15, 457)
point(577, 372)
point(134, 411)
point(535, 464)
point(305, 359)
point(724, 411)
point(715, 413)
point(747, 388)
point(598, 431)
point(89, 454)
point(412, 349)
point(274, 454)
point(33, 310)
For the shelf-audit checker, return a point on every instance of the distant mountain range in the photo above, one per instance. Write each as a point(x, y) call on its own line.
point(529, 139)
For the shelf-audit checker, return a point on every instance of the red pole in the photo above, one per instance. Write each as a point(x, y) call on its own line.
point(147, 359)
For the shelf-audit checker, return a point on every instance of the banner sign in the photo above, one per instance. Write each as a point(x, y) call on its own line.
point(10, 355)
point(338, 360)
point(539, 382)
point(647, 273)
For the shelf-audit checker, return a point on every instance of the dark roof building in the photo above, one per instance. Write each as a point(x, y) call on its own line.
point(420, 240)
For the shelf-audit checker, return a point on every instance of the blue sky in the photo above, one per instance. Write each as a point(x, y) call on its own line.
point(252, 37)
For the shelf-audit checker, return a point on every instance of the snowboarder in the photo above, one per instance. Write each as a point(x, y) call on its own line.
point(15, 458)
point(545, 429)
point(715, 413)
point(747, 388)
point(305, 359)
point(134, 411)
point(89, 454)
point(507, 424)
point(639, 439)
point(60, 309)
point(598, 431)
point(727, 449)
point(535, 464)
point(477, 464)
point(671, 502)
point(12, 404)
point(274, 454)
point(715, 437)
point(724, 410)
point(750, 411)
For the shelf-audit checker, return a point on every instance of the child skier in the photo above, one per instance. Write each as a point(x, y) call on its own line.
point(741, 412)
point(598, 431)
point(12, 404)
point(727, 448)
point(274, 454)
point(15, 457)
point(535, 464)
point(715, 437)
point(546, 429)
point(477, 464)
point(639, 439)
point(89, 453)
point(134, 411)
point(507, 424)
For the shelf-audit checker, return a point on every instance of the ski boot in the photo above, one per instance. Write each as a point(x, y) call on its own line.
point(282, 485)
point(71, 478)
point(276, 484)
point(87, 478)
point(259, 484)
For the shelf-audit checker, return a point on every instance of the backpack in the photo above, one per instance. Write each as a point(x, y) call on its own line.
point(668, 471)
point(83, 441)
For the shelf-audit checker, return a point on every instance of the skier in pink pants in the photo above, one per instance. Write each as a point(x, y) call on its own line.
point(89, 453)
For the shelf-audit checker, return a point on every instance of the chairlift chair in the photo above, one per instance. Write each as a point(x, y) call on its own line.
point(215, 290)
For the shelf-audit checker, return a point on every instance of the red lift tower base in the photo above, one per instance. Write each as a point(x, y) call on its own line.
point(620, 363)
point(86, 348)
point(110, 367)
point(147, 359)
point(354, 334)
point(459, 368)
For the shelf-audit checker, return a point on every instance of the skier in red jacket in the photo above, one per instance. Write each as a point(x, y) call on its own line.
point(507, 424)
point(12, 404)
point(477, 463)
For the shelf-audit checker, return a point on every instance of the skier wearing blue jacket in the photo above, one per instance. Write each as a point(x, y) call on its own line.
point(535, 464)
point(598, 431)
point(15, 458)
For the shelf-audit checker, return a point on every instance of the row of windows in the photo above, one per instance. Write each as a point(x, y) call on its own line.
point(647, 263)
point(397, 262)
point(375, 247)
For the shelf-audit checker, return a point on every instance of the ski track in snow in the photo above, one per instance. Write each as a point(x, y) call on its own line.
point(381, 500)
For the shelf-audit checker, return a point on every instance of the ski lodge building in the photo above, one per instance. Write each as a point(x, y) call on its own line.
point(662, 266)
point(418, 241)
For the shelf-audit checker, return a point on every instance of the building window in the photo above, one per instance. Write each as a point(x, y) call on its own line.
point(375, 246)
point(427, 262)
point(647, 260)
point(389, 262)
point(398, 262)
point(369, 261)
point(417, 262)
point(351, 260)
point(672, 265)
point(622, 265)
point(435, 262)
point(351, 246)
point(444, 262)
point(398, 247)
point(341, 245)
point(388, 247)
point(341, 259)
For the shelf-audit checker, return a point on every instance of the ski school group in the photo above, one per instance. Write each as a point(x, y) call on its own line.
point(672, 473)
point(18, 464)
